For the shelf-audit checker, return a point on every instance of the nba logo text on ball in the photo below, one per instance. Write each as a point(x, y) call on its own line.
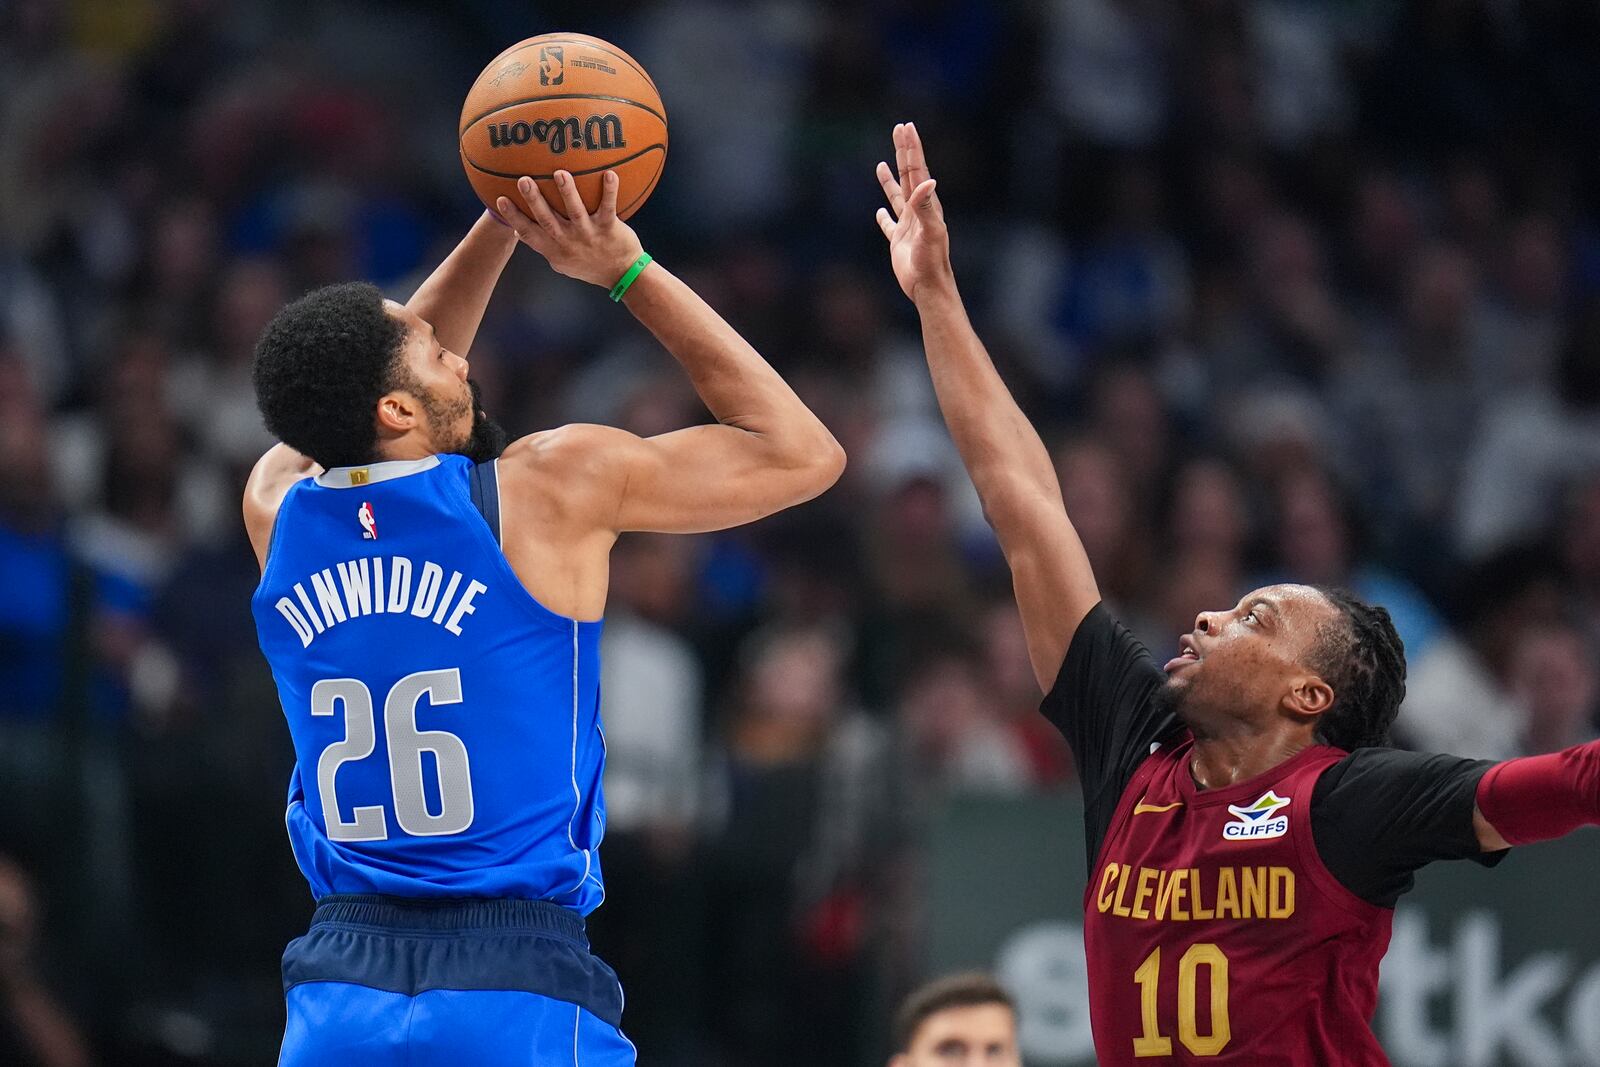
point(369, 524)
point(597, 133)
point(552, 67)
point(1259, 821)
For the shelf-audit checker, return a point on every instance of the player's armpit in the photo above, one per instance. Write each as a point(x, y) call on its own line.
point(1538, 798)
point(269, 482)
point(689, 481)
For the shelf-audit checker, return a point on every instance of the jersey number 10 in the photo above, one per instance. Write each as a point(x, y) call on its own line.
point(406, 745)
point(1153, 1042)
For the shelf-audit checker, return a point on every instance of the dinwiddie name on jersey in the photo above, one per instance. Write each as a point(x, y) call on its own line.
point(1190, 894)
point(377, 585)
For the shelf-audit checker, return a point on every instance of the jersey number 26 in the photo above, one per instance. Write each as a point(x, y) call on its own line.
point(406, 744)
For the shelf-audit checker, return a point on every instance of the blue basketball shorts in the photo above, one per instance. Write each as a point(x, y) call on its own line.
point(418, 983)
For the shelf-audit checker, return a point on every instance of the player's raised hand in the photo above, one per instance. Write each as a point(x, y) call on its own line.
point(596, 248)
point(919, 243)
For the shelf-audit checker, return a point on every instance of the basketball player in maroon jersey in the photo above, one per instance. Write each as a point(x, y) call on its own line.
point(1248, 832)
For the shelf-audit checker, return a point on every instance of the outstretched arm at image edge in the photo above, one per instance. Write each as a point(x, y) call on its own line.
point(1538, 798)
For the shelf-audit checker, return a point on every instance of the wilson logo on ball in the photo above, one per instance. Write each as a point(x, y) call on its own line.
point(597, 133)
point(552, 66)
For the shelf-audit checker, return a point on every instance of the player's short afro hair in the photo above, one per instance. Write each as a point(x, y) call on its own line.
point(320, 367)
point(1361, 656)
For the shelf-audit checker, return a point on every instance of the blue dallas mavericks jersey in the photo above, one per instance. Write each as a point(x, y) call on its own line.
point(446, 725)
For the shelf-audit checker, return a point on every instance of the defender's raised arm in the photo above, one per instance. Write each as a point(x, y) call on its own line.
point(1009, 464)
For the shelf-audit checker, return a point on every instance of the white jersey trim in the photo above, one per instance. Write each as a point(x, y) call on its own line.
point(356, 477)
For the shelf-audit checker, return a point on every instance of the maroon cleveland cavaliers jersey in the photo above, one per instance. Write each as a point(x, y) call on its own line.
point(1209, 911)
point(1241, 925)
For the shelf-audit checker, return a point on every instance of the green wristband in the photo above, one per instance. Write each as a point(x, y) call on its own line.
point(627, 279)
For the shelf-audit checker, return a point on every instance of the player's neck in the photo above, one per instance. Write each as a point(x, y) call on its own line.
point(411, 446)
point(1219, 762)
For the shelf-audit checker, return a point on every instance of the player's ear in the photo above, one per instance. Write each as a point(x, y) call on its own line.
point(398, 412)
point(1309, 695)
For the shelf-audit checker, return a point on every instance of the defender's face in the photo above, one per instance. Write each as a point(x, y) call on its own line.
point(1241, 661)
point(979, 1035)
point(439, 378)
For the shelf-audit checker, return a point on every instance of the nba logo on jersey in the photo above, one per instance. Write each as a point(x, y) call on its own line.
point(369, 525)
point(1258, 821)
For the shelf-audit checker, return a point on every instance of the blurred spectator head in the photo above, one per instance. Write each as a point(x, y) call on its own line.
point(1505, 595)
point(943, 698)
point(1578, 362)
point(1534, 265)
point(1579, 536)
point(1008, 670)
point(965, 1019)
point(1208, 509)
point(140, 478)
point(252, 291)
point(1095, 486)
point(1314, 527)
point(1441, 289)
point(652, 575)
point(1556, 683)
point(1385, 230)
point(1275, 432)
point(26, 492)
point(1129, 414)
point(790, 692)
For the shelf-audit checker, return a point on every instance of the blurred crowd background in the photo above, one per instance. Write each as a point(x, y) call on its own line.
point(1300, 289)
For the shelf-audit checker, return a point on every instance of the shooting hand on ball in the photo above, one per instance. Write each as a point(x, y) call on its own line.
point(919, 243)
point(596, 248)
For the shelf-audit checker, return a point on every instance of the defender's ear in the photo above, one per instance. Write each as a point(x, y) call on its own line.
point(1309, 695)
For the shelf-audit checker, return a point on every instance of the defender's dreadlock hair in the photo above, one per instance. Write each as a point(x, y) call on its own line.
point(320, 367)
point(1361, 656)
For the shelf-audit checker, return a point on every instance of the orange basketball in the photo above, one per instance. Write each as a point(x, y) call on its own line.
point(564, 101)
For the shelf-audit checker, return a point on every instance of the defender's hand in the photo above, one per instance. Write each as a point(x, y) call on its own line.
point(596, 248)
point(919, 243)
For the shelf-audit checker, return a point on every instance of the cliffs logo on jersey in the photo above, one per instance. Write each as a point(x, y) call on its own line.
point(1259, 821)
point(369, 525)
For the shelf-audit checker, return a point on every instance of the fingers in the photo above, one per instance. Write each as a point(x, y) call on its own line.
point(915, 171)
point(570, 200)
point(525, 228)
point(885, 223)
point(538, 207)
point(922, 197)
point(509, 214)
point(608, 198)
point(891, 189)
point(900, 155)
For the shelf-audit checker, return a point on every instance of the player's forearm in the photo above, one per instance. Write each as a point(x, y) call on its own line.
point(1009, 464)
point(1539, 798)
point(736, 384)
point(456, 294)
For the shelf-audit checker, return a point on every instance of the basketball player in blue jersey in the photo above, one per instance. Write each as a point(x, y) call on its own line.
point(431, 614)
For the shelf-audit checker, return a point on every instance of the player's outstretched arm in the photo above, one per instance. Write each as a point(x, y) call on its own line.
point(455, 295)
point(767, 452)
point(1009, 464)
point(1538, 798)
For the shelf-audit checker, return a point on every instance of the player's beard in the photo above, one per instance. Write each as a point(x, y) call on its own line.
point(485, 441)
point(488, 438)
